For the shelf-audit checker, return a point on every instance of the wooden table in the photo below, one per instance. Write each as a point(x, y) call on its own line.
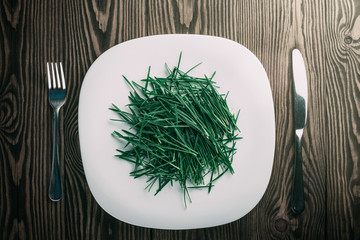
point(76, 32)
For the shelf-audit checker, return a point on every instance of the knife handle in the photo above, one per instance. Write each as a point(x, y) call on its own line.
point(297, 195)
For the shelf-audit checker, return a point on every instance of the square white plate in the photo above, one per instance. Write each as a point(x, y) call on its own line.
point(237, 71)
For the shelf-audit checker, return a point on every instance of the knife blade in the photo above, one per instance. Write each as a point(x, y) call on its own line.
point(300, 94)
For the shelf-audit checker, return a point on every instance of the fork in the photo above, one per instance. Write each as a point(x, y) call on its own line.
point(57, 97)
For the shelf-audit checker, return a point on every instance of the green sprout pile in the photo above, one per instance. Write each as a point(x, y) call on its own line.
point(181, 130)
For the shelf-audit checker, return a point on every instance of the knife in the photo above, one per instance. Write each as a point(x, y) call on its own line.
point(300, 94)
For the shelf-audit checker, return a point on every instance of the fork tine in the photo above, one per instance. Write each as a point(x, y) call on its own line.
point(48, 75)
point(53, 75)
point(57, 76)
point(62, 76)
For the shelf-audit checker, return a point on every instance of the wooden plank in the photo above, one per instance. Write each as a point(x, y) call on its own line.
point(9, 123)
point(197, 17)
point(273, 29)
point(342, 146)
point(25, 131)
point(266, 28)
point(92, 28)
point(74, 33)
point(39, 217)
point(310, 31)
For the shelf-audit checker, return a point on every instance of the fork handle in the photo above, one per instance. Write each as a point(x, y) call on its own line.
point(55, 188)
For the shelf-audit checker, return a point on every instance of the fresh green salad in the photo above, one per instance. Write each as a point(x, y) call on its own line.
point(181, 131)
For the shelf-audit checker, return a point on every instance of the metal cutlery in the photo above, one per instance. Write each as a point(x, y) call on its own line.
point(300, 114)
point(57, 97)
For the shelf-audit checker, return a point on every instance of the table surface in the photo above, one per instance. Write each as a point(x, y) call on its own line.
point(327, 32)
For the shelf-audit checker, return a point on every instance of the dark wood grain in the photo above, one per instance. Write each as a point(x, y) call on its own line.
point(343, 108)
point(77, 32)
point(269, 35)
point(99, 25)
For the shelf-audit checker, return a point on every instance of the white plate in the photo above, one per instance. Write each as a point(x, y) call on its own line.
point(237, 71)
